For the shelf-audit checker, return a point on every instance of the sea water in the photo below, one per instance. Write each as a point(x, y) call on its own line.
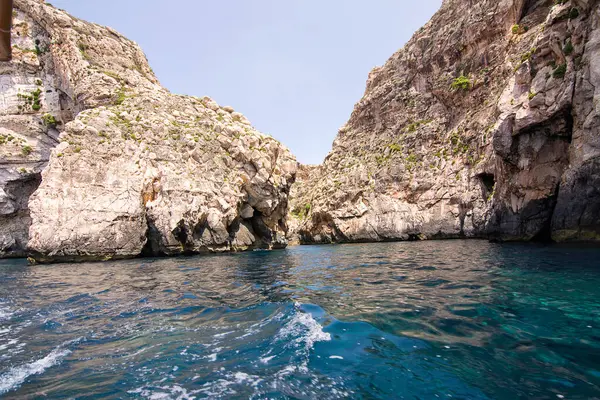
point(414, 320)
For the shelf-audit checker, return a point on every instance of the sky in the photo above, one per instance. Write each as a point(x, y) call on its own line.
point(294, 68)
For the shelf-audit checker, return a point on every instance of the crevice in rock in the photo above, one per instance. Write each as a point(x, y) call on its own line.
point(545, 233)
point(153, 247)
point(261, 230)
point(180, 232)
point(200, 227)
point(488, 183)
point(233, 228)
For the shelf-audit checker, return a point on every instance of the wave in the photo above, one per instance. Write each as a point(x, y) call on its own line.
point(16, 376)
point(303, 330)
point(298, 335)
point(175, 392)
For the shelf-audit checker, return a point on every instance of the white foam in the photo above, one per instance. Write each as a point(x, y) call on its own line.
point(249, 332)
point(265, 360)
point(241, 377)
point(303, 329)
point(288, 369)
point(222, 335)
point(336, 357)
point(299, 333)
point(17, 375)
point(164, 392)
point(222, 387)
point(218, 388)
point(252, 380)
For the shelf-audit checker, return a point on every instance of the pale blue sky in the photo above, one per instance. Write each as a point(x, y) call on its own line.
point(295, 68)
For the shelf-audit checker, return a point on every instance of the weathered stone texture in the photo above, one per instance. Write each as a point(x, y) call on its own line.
point(135, 169)
point(484, 125)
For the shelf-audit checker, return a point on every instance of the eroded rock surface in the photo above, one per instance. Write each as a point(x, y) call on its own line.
point(135, 169)
point(484, 125)
point(35, 102)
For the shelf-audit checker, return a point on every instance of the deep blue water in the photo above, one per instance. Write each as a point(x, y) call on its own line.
point(420, 320)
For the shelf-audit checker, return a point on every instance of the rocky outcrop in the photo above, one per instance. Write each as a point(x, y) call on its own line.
point(35, 103)
point(536, 138)
point(128, 168)
point(576, 215)
point(484, 125)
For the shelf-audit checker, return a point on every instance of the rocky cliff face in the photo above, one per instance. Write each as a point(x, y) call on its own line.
point(486, 124)
point(98, 161)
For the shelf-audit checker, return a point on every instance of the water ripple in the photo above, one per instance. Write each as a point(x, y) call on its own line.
point(466, 319)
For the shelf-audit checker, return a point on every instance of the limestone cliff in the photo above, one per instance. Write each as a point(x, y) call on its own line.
point(98, 161)
point(486, 124)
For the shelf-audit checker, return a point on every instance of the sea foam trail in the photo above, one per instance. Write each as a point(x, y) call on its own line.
point(303, 329)
point(299, 333)
point(17, 375)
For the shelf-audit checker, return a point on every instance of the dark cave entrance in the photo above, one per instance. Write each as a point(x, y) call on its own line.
point(488, 184)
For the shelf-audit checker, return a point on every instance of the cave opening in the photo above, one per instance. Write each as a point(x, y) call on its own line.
point(488, 184)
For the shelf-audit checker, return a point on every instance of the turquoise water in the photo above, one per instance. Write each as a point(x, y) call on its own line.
point(419, 320)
